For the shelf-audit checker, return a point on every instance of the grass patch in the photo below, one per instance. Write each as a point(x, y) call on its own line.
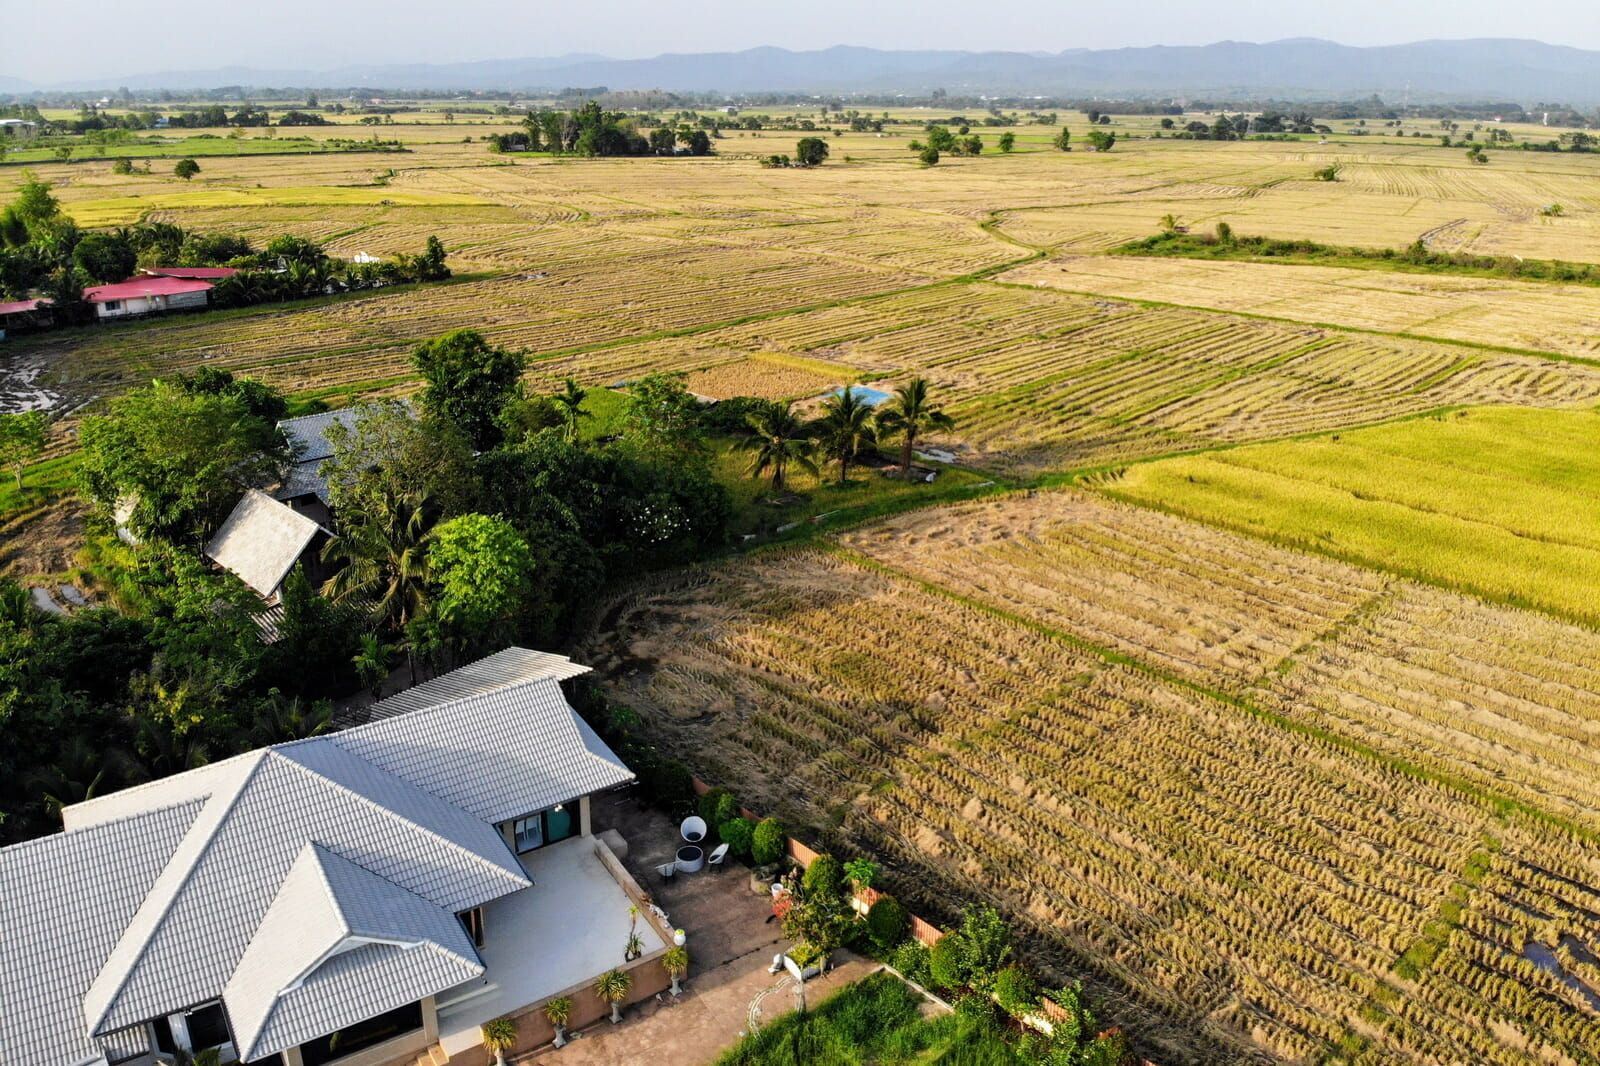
point(41, 483)
point(1415, 259)
point(875, 1021)
point(867, 493)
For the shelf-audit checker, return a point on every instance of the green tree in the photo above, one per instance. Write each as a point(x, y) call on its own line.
point(662, 417)
point(908, 416)
point(388, 453)
point(780, 440)
point(33, 207)
point(22, 440)
point(845, 429)
point(105, 257)
point(941, 139)
point(1008, 141)
point(469, 382)
point(1102, 140)
point(182, 459)
point(811, 151)
point(186, 169)
point(384, 557)
point(483, 570)
point(1063, 140)
point(569, 402)
point(929, 156)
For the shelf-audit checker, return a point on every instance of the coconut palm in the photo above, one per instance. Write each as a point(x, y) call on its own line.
point(499, 1037)
point(385, 556)
point(558, 1012)
point(284, 718)
point(908, 416)
point(780, 440)
point(676, 963)
point(845, 429)
point(569, 401)
point(612, 986)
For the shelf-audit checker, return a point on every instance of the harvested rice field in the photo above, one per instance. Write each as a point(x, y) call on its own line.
point(1271, 806)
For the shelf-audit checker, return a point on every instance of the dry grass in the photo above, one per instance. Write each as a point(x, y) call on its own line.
point(1237, 891)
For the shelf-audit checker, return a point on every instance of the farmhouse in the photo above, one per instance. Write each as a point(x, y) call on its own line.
point(19, 128)
point(305, 489)
point(364, 898)
point(147, 295)
point(18, 315)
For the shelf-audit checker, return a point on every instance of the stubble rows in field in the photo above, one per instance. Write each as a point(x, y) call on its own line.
point(1237, 890)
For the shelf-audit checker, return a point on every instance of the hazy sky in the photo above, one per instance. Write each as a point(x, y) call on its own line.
point(52, 40)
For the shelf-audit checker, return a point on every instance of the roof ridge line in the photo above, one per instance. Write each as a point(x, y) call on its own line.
point(172, 896)
point(452, 701)
point(391, 812)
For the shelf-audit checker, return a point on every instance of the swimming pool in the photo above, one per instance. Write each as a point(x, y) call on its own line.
point(870, 397)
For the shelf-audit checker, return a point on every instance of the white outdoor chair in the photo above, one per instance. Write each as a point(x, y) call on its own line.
point(718, 853)
point(667, 870)
point(693, 829)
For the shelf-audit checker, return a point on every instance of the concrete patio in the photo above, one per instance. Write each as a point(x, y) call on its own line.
point(540, 941)
point(731, 944)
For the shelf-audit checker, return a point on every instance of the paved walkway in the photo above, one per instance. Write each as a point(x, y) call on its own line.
point(704, 1022)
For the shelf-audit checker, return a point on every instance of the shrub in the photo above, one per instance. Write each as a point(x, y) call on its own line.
point(986, 941)
point(912, 959)
point(1015, 990)
point(737, 835)
point(706, 805)
point(863, 873)
point(948, 963)
point(886, 923)
point(824, 879)
point(767, 843)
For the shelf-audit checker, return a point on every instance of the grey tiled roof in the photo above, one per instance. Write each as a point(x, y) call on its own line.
point(304, 975)
point(261, 541)
point(187, 938)
point(527, 750)
point(164, 896)
point(504, 669)
point(307, 434)
point(64, 901)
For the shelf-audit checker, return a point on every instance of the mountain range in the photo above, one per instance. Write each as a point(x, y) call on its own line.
point(1481, 69)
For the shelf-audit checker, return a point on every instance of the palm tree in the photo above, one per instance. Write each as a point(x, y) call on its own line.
point(284, 718)
point(372, 663)
point(499, 1037)
point(908, 416)
point(570, 402)
point(612, 986)
point(780, 439)
point(385, 556)
point(82, 771)
point(845, 429)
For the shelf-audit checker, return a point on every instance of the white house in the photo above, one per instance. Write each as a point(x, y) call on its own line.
point(20, 128)
point(147, 295)
point(363, 898)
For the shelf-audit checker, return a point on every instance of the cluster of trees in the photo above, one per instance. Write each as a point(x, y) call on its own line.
point(482, 518)
point(847, 430)
point(941, 141)
point(592, 131)
point(808, 152)
point(1223, 243)
point(43, 251)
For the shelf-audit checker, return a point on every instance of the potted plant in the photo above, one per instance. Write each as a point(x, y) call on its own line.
point(612, 986)
point(499, 1037)
point(676, 963)
point(805, 960)
point(558, 1012)
point(635, 946)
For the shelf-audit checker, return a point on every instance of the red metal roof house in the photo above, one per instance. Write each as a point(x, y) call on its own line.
point(147, 295)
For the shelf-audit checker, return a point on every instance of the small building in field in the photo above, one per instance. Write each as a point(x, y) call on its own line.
point(191, 273)
point(305, 489)
point(146, 296)
point(19, 128)
point(18, 316)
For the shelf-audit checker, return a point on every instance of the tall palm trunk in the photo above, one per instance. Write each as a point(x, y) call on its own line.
point(905, 455)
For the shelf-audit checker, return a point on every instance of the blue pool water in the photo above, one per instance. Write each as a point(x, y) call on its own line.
point(870, 397)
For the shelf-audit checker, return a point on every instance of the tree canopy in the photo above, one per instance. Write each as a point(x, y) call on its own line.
point(469, 382)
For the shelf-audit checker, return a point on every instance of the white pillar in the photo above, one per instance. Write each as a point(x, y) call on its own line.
point(180, 1031)
point(583, 815)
